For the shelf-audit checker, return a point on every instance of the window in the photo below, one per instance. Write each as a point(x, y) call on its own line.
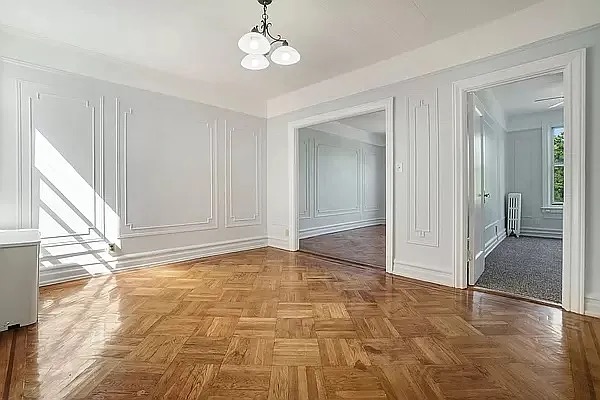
point(558, 166)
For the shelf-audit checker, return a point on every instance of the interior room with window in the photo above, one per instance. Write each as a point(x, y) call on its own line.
point(521, 129)
point(282, 199)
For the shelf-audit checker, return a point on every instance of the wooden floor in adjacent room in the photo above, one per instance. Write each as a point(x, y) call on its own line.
point(364, 246)
point(268, 324)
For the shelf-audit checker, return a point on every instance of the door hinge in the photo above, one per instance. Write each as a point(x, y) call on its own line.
point(468, 250)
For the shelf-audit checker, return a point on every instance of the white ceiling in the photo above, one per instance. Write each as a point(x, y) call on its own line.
point(519, 97)
point(198, 39)
point(372, 123)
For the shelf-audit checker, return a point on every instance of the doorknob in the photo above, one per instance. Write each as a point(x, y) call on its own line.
point(486, 195)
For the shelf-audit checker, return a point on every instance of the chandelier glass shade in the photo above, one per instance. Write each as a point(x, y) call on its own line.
point(259, 44)
point(255, 62)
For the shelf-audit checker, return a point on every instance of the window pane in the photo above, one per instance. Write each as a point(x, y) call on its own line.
point(558, 185)
point(558, 136)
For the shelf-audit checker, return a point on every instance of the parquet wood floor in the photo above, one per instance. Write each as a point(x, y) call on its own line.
point(364, 246)
point(270, 325)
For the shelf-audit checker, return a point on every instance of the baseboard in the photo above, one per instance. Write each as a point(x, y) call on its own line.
point(494, 242)
point(542, 232)
point(592, 305)
point(278, 243)
point(151, 259)
point(70, 272)
point(422, 273)
point(345, 226)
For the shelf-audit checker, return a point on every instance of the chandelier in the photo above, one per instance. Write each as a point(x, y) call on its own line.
point(259, 43)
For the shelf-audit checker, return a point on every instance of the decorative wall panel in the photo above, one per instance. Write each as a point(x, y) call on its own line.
point(243, 177)
point(160, 197)
point(305, 189)
point(423, 200)
point(337, 180)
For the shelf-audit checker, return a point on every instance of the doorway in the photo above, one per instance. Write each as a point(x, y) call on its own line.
point(572, 65)
point(320, 191)
point(516, 152)
point(341, 193)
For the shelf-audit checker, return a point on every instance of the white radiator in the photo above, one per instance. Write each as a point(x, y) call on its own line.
point(514, 214)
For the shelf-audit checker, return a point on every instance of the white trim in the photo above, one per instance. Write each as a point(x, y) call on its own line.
point(592, 305)
point(552, 209)
point(386, 105)
point(422, 273)
point(491, 244)
point(572, 65)
point(341, 227)
point(154, 258)
point(278, 243)
point(542, 232)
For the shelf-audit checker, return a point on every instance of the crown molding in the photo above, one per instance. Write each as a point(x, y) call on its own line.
point(33, 51)
point(496, 37)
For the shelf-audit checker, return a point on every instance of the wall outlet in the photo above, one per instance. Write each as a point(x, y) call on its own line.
point(112, 248)
point(287, 232)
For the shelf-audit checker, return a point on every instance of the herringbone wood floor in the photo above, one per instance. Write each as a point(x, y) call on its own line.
point(267, 324)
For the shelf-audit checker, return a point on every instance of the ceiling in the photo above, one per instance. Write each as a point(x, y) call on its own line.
point(372, 123)
point(369, 128)
point(198, 39)
point(519, 97)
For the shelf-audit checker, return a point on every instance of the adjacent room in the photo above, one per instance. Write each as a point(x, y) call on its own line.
point(307, 200)
point(520, 127)
point(342, 189)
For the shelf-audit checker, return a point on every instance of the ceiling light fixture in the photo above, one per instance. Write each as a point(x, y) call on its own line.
point(259, 43)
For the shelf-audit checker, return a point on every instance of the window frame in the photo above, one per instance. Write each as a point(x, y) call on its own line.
point(548, 203)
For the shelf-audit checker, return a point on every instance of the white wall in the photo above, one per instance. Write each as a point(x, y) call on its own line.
point(425, 254)
point(494, 139)
point(341, 183)
point(524, 171)
point(92, 162)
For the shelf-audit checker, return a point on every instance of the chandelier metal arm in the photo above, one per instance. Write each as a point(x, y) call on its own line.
point(265, 25)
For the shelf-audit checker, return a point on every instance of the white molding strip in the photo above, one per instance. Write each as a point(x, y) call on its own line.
point(592, 305)
point(423, 273)
point(341, 227)
point(542, 232)
point(278, 243)
point(493, 39)
point(491, 244)
point(153, 258)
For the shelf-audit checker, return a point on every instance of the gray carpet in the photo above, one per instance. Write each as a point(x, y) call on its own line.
point(525, 266)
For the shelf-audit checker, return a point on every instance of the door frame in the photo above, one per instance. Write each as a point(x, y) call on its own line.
point(573, 67)
point(386, 105)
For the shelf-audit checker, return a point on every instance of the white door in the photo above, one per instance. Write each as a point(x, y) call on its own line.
point(476, 199)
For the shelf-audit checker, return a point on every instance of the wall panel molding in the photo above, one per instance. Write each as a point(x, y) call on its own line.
point(305, 212)
point(254, 217)
point(422, 116)
point(365, 155)
point(319, 211)
point(139, 229)
point(34, 93)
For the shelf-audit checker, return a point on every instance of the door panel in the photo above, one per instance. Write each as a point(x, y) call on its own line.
point(476, 191)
